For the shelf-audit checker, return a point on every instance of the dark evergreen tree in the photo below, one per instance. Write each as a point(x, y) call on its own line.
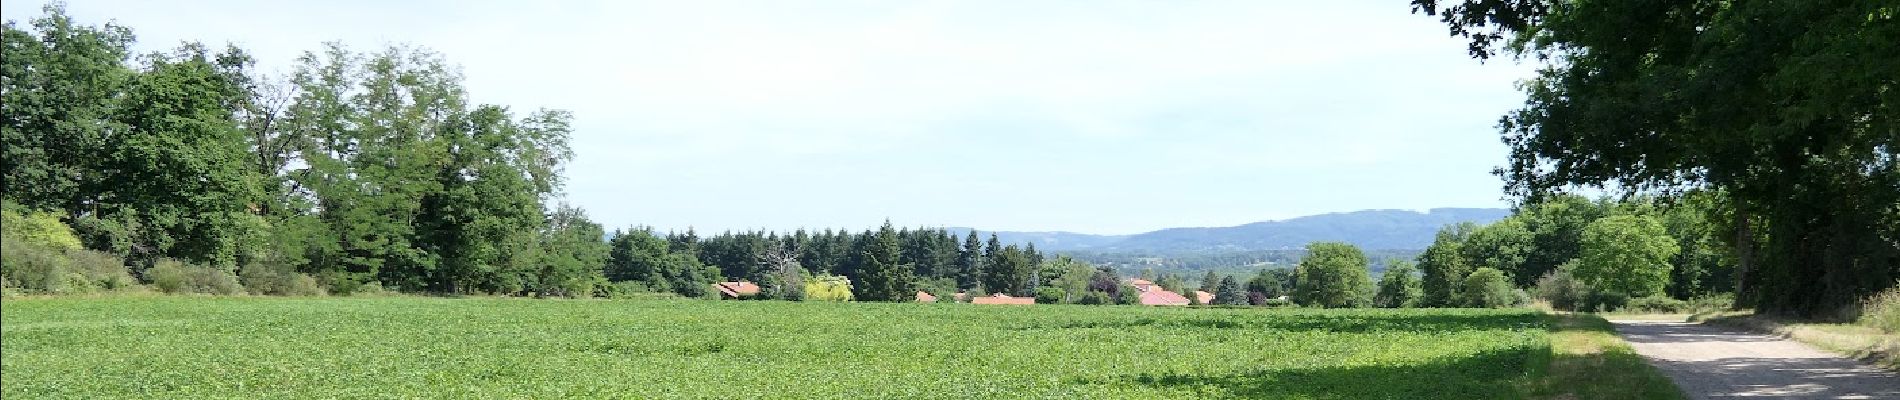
point(970, 263)
point(882, 277)
point(1228, 292)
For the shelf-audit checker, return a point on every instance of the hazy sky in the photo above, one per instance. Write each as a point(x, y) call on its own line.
point(1089, 116)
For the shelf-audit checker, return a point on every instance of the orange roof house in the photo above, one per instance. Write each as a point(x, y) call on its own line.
point(925, 297)
point(733, 290)
point(1206, 298)
point(1000, 298)
point(1158, 297)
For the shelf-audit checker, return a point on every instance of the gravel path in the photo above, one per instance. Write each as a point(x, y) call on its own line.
point(1715, 363)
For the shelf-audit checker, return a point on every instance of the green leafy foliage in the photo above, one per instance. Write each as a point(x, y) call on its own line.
point(1443, 265)
point(173, 276)
point(1399, 287)
point(1882, 311)
point(1785, 107)
point(277, 280)
point(39, 228)
point(1487, 288)
point(828, 288)
point(1626, 254)
point(1333, 275)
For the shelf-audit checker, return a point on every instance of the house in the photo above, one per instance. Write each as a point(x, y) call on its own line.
point(1158, 297)
point(734, 290)
point(1000, 298)
point(1154, 295)
point(1204, 296)
point(923, 297)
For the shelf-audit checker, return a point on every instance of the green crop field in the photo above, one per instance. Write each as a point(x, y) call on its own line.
point(409, 347)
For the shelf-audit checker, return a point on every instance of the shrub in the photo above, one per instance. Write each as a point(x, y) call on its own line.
point(277, 280)
point(101, 270)
point(1049, 295)
point(622, 290)
point(1656, 304)
point(1276, 302)
point(173, 276)
point(30, 267)
point(1712, 303)
point(36, 227)
point(1882, 310)
point(828, 288)
point(35, 268)
point(1487, 288)
point(1604, 301)
point(1563, 290)
point(1096, 297)
point(369, 289)
point(1126, 294)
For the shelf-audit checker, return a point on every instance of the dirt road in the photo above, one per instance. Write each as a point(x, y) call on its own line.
point(1715, 363)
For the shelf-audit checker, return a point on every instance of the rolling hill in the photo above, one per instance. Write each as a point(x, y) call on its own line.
point(1368, 229)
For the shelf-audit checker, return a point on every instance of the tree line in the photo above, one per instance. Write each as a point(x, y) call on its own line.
point(358, 170)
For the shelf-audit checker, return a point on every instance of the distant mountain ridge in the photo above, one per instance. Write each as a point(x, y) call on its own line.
point(1368, 229)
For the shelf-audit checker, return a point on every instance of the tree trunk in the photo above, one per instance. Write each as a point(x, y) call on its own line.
point(1744, 251)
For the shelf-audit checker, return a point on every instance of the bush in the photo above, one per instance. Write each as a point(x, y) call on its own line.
point(101, 270)
point(1882, 311)
point(1127, 294)
point(1049, 295)
point(1487, 288)
point(173, 276)
point(277, 280)
point(41, 228)
point(828, 288)
point(1712, 303)
point(32, 268)
point(1096, 297)
point(1562, 290)
point(1275, 302)
point(1656, 304)
point(1605, 301)
point(622, 290)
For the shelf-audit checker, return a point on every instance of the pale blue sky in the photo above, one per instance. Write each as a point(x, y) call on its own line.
point(1088, 116)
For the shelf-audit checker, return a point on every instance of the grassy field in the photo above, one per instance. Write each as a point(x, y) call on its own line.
point(406, 347)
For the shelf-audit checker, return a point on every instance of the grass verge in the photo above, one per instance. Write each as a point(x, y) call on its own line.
point(1589, 361)
point(1868, 344)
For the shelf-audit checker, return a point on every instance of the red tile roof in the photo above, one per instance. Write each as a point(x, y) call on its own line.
point(737, 289)
point(1000, 298)
point(1206, 298)
point(1159, 297)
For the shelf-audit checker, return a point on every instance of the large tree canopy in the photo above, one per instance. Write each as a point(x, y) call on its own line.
point(1786, 106)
